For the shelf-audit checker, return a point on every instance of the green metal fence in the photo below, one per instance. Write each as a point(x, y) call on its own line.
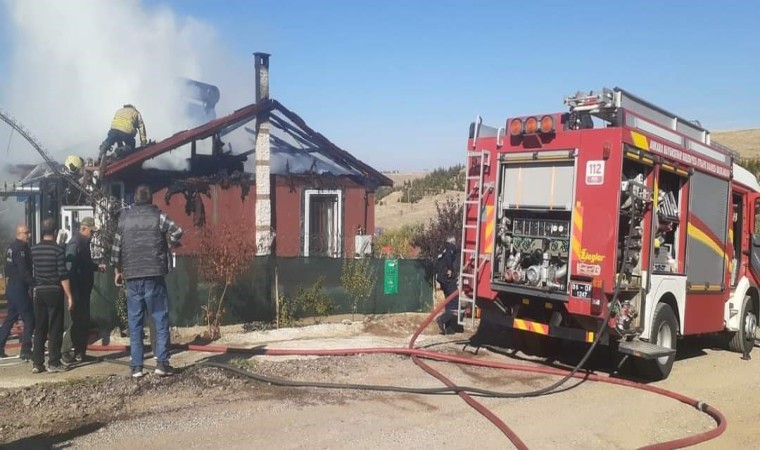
point(252, 298)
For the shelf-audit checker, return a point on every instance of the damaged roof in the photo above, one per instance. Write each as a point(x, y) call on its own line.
point(295, 147)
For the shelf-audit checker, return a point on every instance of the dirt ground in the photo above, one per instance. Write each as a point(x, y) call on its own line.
point(98, 405)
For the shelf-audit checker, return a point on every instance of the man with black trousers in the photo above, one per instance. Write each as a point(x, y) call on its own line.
point(81, 270)
point(18, 276)
point(51, 289)
point(447, 276)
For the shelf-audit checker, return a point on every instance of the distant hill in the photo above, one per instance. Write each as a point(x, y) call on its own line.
point(746, 142)
point(414, 195)
point(391, 213)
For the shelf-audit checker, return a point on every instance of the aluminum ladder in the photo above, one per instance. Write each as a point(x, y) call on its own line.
point(471, 255)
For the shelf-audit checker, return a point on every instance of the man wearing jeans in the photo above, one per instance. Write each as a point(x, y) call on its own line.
point(140, 255)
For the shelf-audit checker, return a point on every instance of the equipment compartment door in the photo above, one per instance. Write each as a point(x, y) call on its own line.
point(754, 245)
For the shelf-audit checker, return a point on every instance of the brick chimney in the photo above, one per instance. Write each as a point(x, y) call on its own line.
point(264, 231)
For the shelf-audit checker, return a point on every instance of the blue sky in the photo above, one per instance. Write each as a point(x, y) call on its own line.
point(398, 82)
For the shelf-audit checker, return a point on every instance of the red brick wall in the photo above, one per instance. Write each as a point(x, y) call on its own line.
point(287, 217)
point(226, 205)
point(222, 206)
point(358, 210)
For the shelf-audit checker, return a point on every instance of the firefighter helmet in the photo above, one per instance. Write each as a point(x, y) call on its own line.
point(73, 163)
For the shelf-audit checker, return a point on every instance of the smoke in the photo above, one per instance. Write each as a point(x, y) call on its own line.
point(74, 63)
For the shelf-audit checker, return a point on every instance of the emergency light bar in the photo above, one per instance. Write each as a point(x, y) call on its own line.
point(531, 125)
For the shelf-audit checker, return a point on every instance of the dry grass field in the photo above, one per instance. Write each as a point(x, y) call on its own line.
point(746, 142)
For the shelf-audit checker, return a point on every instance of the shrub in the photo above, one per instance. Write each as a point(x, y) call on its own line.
point(448, 222)
point(397, 243)
point(314, 300)
point(358, 279)
point(226, 254)
point(287, 314)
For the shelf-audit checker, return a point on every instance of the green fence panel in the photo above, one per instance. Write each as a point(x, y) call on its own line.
point(252, 297)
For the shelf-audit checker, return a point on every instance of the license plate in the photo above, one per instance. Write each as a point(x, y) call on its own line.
point(580, 290)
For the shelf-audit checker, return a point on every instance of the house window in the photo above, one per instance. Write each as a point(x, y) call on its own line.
point(116, 189)
point(323, 224)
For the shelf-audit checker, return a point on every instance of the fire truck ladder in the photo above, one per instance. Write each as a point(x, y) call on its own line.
point(470, 256)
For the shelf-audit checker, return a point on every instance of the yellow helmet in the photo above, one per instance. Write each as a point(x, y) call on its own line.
point(73, 163)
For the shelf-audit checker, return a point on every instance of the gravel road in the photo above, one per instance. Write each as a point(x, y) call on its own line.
point(211, 408)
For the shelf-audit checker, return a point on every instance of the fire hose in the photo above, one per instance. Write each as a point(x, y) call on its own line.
point(463, 391)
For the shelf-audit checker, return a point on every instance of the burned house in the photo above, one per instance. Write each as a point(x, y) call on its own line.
point(261, 167)
point(49, 190)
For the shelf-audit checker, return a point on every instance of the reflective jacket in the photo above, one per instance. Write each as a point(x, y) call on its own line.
point(129, 120)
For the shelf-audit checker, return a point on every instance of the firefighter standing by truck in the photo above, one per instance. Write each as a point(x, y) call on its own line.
point(447, 269)
point(18, 275)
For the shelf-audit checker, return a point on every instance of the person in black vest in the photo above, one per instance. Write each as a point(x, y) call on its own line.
point(82, 270)
point(18, 284)
point(51, 284)
point(447, 275)
point(140, 255)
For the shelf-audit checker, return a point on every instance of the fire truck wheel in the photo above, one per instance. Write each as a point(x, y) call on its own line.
point(664, 333)
point(743, 341)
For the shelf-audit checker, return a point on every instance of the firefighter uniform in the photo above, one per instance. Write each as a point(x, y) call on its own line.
point(447, 274)
point(18, 276)
point(126, 122)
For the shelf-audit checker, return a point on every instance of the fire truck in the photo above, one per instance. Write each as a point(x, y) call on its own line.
point(614, 221)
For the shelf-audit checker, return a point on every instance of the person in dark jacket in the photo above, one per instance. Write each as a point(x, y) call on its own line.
point(82, 270)
point(18, 284)
point(51, 286)
point(140, 255)
point(447, 275)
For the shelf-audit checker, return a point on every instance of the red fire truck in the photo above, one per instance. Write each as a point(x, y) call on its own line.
point(615, 221)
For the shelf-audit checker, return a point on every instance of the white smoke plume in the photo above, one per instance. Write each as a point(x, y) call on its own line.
point(75, 62)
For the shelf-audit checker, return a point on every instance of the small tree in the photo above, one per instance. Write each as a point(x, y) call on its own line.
point(448, 222)
point(225, 254)
point(397, 243)
point(315, 300)
point(358, 279)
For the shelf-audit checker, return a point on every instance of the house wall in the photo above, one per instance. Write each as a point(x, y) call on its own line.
point(222, 206)
point(228, 206)
point(358, 211)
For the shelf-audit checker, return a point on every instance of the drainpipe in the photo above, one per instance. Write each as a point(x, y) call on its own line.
point(264, 234)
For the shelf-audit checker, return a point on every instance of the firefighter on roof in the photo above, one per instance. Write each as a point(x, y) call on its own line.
point(126, 122)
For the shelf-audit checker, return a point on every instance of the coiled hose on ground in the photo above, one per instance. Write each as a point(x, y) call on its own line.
point(464, 391)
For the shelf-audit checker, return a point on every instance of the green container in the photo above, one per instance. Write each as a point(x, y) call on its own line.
point(390, 281)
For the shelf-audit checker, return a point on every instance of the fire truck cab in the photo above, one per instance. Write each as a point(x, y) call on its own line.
point(615, 221)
